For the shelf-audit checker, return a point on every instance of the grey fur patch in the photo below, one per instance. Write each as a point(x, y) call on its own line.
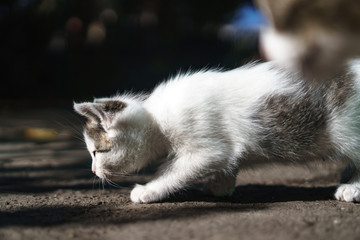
point(97, 133)
point(340, 89)
point(290, 126)
point(113, 106)
point(296, 126)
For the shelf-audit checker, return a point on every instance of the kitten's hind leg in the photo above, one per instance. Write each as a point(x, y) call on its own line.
point(348, 173)
point(222, 184)
point(349, 190)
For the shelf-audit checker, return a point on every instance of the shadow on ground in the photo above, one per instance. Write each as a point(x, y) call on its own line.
point(261, 194)
point(190, 204)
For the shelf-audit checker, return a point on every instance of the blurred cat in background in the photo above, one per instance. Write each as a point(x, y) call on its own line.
point(316, 37)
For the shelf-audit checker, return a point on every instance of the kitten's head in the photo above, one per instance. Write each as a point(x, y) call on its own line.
point(117, 135)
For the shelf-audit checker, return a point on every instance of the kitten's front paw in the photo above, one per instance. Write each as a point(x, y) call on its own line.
point(348, 193)
point(142, 194)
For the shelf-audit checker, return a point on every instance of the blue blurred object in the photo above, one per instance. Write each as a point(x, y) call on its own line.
point(245, 24)
point(248, 18)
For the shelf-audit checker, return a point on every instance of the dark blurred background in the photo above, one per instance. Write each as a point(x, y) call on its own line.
point(54, 52)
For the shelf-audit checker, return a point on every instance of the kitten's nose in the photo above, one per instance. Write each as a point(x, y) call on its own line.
point(94, 172)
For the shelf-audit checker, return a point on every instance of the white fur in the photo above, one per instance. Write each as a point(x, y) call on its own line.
point(202, 123)
point(206, 117)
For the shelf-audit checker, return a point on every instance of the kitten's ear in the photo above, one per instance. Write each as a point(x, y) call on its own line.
point(87, 110)
point(103, 112)
point(108, 110)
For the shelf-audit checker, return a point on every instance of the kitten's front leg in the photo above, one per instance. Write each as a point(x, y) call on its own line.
point(348, 192)
point(145, 194)
point(180, 173)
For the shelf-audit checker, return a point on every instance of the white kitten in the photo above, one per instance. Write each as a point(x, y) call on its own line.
point(209, 123)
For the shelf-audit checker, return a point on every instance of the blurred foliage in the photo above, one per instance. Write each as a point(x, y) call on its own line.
point(76, 49)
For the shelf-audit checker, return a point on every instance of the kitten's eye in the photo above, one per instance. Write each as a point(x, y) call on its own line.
point(100, 151)
point(103, 151)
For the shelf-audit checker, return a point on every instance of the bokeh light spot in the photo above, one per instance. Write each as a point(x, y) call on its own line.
point(74, 25)
point(108, 16)
point(96, 33)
